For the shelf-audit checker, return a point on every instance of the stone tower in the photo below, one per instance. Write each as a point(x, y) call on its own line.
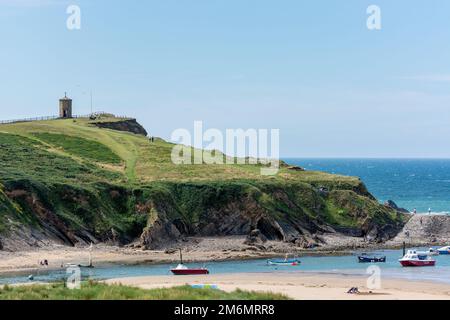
point(65, 107)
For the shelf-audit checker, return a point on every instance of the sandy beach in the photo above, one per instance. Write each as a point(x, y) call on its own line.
point(302, 286)
point(26, 261)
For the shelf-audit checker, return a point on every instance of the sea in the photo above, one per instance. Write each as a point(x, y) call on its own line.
point(420, 184)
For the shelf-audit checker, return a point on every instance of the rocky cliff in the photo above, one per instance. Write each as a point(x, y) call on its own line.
point(128, 125)
point(68, 182)
point(157, 215)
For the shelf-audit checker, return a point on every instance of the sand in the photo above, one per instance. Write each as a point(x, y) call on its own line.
point(28, 261)
point(194, 250)
point(302, 286)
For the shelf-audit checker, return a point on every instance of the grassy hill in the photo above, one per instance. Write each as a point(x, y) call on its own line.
point(72, 181)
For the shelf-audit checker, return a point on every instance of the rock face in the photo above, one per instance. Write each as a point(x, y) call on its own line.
point(294, 214)
point(425, 229)
point(159, 214)
point(255, 237)
point(391, 204)
point(130, 125)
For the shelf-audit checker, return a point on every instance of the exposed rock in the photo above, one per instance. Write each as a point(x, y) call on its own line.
point(425, 229)
point(391, 204)
point(256, 247)
point(323, 191)
point(295, 168)
point(165, 215)
point(130, 125)
point(255, 237)
point(159, 234)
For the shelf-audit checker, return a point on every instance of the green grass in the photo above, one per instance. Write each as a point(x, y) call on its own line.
point(24, 158)
point(84, 178)
point(147, 162)
point(84, 148)
point(99, 291)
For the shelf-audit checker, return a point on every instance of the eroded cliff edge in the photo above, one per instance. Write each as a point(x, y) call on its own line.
point(70, 182)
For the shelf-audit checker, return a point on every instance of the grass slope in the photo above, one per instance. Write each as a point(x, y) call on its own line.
point(98, 291)
point(84, 148)
point(145, 161)
point(113, 184)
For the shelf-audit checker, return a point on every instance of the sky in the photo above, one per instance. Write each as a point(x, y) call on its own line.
point(311, 69)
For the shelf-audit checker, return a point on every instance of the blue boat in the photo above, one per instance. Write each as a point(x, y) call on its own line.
point(444, 250)
point(284, 262)
point(364, 258)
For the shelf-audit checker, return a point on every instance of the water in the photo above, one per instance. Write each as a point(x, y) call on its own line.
point(411, 183)
point(327, 264)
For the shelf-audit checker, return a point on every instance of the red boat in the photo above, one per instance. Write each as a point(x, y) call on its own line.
point(412, 259)
point(182, 270)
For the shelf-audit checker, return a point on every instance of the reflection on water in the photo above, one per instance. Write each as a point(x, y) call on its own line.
point(329, 264)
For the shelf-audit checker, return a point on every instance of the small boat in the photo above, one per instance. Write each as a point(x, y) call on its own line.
point(429, 252)
point(364, 258)
point(444, 250)
point(412, 259)
point(284, 262)
point(182, 270)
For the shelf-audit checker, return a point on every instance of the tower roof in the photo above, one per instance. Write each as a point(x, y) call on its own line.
point(65, 97)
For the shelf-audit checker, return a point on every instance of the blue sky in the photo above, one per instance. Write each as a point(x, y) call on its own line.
point(309, 68)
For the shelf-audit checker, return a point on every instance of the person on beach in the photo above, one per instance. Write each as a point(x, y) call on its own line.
point(414, 211)
point(429, 210)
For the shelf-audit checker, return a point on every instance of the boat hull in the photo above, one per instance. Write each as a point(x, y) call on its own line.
point(187, 272)
point(443, 252)
point(419, 263)
point(287, 263)
point(362, 259)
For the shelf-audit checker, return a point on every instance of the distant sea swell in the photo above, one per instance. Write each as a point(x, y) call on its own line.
point(411, 183)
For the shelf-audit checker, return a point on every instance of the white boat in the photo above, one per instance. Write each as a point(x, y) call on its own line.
point(284, 262)
point(444, 250)
point(412, 259)
point(429, 252)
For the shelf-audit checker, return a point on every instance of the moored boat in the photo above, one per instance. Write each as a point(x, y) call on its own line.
point(284, 262)
point(364, 258)
point(429, 252)
point(412, 259)
point(444, 250)
point(182, 270)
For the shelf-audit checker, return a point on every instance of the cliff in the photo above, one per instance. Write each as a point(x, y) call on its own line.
point(128, 125)
point(72, 182)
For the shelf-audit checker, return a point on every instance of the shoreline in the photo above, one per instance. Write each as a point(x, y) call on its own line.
point(301, 286)
point(22, 262)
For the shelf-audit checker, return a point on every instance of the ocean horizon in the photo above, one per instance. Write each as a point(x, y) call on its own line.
point(412, 183)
